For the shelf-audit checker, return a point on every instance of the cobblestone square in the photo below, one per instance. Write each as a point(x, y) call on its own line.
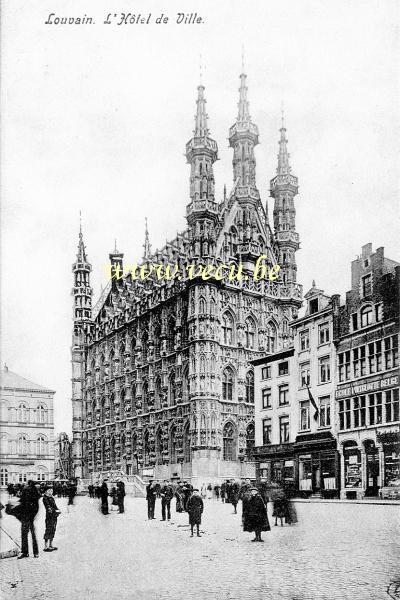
point(336, 551)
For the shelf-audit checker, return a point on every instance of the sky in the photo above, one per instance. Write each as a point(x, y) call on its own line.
point(95, 119)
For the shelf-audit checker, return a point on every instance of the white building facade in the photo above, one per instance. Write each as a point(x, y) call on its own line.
point(27, 430)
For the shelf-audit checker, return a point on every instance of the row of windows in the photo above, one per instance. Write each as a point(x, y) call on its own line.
point(372, 409)
point(323, 417)
point(324, 371)
point(366, 316)
point(324, 336)
point(228, 333)
point(283, 396)
point(23, 414)
point(7, 476)
point(25, 446)
point(369, 359)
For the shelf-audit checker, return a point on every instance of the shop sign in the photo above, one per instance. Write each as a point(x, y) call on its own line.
point(389, 437)
point(365, 386)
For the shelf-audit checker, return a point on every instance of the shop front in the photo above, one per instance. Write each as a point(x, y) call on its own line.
point(276, 464)
point(317, 465)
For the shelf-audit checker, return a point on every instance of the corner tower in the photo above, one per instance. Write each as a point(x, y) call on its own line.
point(82, 317)
point(283, 188)
point(201, 154)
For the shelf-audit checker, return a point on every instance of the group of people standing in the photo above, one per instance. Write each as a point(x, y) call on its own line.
point(26, 510)
point(117, 493)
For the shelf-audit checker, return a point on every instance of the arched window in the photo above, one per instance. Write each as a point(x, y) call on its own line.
point(112, 451)
point(172, 445)
point(22, 444)
point(250, 387)
point(202, 306)
point(22, 413)
point(250, 333)
point(172, 389)
point(3, 477)
point(159, 446)
point(41, 445)
point(158, 394)
point(227, 384)
point(366, 316)
point(271, 338)
point(250, 438)
point(227, 329)
point(229, 442)
point(212, 306)
point(186, 443)
point(144, 396)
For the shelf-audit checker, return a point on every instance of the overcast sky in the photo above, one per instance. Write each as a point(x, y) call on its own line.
point(96, 117)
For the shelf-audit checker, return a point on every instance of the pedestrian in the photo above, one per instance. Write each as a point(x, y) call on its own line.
point(203, 490)
point(71, 491)
point(167, 494)
point(179, 498)
point(121, 496)
point(29, 503)
point(223, 491)
point(195, 509)
point(233, 495)
point(217, 491)
point(90, 490)
point(187, 489)
point(52, 513)
point(209, 491)
point(255, 516)
point(104, 497)
point(151, 494)
point(113, 494)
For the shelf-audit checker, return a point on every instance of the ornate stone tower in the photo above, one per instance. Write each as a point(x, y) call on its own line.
point(82, 315)
point(283, 188)
point(202, 211)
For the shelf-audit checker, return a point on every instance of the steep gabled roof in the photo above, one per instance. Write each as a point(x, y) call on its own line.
point(12, 381)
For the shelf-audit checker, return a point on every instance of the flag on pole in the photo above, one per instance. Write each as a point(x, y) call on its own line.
point(316, 413)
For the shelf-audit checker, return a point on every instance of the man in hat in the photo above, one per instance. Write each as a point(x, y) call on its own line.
point(120, 496)
point(29, 506)
point(151, 494)
point(195, 509)
point(167, 493)
point(255, 516)
point(104, 497)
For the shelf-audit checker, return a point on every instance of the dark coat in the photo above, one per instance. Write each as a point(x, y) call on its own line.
point(151, 492)
point(280, 508)
point(167, 492)
point(29, 502)
point(104, 492)
point(255, 516)
point(120, 490)
point(195, 508)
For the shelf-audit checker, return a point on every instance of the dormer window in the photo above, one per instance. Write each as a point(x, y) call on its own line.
point(313, 306)
point(366, 263)
point(366, 316)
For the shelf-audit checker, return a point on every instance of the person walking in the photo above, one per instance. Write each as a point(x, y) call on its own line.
point(233, 495)
point(203, 490)
point(223, 491)
point(151, 494)
point(71, 492)
point(52, 513)
point(255, 515)
point(217, 491)
point(121, 496)
point(104, 497)
point(167, 493)
point(195, 507)
point(179, 498)
point(29, 506)
point(113, 494)
point(187, 489)
point(209, 491)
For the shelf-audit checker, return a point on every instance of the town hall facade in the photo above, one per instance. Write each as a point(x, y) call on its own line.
point(161, 373)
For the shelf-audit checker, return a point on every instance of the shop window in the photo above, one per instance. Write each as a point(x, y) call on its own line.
point(328, 472)
point(283, 395)
point(284, 430)
point(266, 372)
point(367, 285)
point(392, 463)
point(325, 411)
point(392, 405)
point(266, 398)
point(323, 333)
point(324, 369)
point(267, 430)
point(288, 470)
point(352, 467)
point(375, 408)
point(304, 415)
point(359, 412)
point(305, 473)
point(304, 339)
point(283, 368)
point(366, 316)
point(304, 375)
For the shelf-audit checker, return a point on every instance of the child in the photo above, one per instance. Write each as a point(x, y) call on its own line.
point(52, 513)
point(195, 508)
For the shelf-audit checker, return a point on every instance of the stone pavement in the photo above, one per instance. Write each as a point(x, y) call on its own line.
point(335, 552)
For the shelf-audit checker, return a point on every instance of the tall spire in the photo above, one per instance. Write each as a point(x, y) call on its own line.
point(283, 156)
point(243, 105)
point(201, 118)
point(146, 245)
point(81, 254)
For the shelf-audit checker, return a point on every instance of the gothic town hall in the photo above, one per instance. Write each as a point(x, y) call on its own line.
point(161, 377)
